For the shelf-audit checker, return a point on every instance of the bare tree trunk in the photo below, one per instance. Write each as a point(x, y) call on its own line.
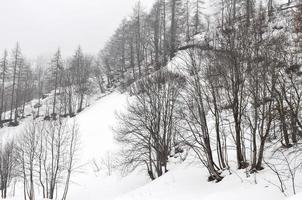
point(138, 39)
point(4, 69)
point(132, 60)
point(165, 34)
point(15, 65)
point(294, 127)
point(17, 95)
point(156, 36)
point(173, 29)
point(55, 96)
point(81, 102)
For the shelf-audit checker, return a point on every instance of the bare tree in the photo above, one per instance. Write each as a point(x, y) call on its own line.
point(108, 163)
point(16, 63)
point(194, 114)
point(7, 167)
point(55, 72)
point(80, 68)
point(148, 127)
point(4, 70)
point(73, 147)
point(27, 149)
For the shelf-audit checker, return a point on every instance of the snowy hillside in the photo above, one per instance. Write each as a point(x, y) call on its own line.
point(96, 126)
point(187, 100)
point(185, 181)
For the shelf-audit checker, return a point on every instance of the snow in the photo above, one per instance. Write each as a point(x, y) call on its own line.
point(89, 186)
point(296, 197)
point(189, 182)
point(96, 123)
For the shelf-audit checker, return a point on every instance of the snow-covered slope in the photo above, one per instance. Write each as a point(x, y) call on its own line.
point(96, 124)
point(184, 181)
point(187, 182)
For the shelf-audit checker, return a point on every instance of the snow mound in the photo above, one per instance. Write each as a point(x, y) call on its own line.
point(187, 182)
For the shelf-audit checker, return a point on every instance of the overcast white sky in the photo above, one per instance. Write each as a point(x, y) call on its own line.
point(41, 26)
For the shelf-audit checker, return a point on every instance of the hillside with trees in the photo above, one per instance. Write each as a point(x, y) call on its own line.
point(203, 94)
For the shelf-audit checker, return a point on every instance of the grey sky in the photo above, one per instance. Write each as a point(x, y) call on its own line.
point(41, 26)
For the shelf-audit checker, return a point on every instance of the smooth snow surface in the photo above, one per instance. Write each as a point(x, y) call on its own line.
point(96, 123)
point(296, 197)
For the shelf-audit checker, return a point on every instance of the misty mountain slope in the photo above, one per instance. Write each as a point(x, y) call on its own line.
point(185, 172)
